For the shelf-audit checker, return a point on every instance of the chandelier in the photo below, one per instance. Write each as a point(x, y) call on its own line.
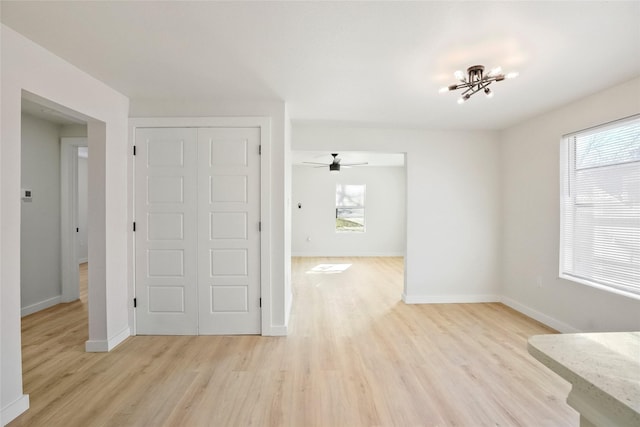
point(476, 81)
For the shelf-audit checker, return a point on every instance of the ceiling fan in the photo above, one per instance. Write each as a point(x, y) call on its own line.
point(334, 166)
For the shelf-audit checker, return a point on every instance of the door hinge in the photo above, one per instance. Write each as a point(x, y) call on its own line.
point(259, 225)
point(260, 302)
point(77, 230)
point(134, 226)
point(260, 149)
point(134, 150)
point(135, 302)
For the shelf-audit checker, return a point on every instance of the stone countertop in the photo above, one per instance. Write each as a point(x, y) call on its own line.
point(604, 369)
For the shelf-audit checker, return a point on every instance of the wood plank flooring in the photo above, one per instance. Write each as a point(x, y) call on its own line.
point(356, 355)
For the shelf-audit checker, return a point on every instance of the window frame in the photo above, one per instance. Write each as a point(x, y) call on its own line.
point(568, 206)
point(356, 207)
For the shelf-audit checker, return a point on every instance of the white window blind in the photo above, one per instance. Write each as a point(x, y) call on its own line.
point(600, 207)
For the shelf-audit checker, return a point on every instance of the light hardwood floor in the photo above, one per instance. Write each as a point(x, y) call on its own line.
point(356, 355)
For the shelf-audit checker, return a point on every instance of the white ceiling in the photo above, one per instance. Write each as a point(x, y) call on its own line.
point(367, 63)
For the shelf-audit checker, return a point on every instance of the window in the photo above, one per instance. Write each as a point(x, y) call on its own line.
point(350, 207)
point(600, 207)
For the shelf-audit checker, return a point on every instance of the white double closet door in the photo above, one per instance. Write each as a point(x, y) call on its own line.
point(197, 207)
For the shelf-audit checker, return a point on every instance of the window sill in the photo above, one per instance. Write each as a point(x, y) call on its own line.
point(600, 286)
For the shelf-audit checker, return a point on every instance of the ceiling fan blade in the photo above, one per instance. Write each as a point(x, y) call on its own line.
point(355, 164)
point(315, 163)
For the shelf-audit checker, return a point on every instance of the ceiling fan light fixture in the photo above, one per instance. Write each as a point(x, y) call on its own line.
point(334, 166)
point(476, 80)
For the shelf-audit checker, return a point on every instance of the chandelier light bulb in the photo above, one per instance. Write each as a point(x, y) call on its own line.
point(444, 89)
point(512, 75)
point(464, 98)
point(495, 71)
point(459, 75)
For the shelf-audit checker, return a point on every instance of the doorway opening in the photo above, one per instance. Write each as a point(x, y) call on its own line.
point(74, 155)
point(54, 280)
point(49, 193)
point(54, 248)
point(371, 247)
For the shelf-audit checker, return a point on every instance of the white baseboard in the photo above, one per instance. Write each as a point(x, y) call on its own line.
point(276, 331)
point(540, 317)
point(102, 346)
point(30, 309)
point(463, 299)
point(287, 313)
point(448, 299)
point(345, 255)
point(14, 409)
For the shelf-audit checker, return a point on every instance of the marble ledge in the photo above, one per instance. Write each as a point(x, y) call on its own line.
point(604, 370)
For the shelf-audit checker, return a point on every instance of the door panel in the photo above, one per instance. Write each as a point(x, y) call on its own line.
point(228, 225)
point(166, 231)
point(229, 237)
point(165, 226)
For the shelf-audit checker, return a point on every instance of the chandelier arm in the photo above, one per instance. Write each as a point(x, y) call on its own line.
point(475, 86)
point(497, 78)
point(472, 90)
point(476, 90)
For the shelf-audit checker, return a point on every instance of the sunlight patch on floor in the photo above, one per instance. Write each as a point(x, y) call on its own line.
point(328, 268)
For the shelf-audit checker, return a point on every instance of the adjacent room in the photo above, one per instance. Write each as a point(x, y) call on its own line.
point(318, 213)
